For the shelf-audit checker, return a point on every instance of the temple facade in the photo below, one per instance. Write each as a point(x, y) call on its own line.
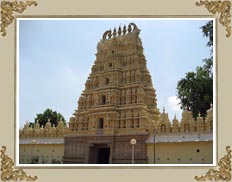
point(119, 104)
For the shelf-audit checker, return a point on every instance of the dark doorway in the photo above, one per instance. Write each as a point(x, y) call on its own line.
point(103, 156)
point(99, 154)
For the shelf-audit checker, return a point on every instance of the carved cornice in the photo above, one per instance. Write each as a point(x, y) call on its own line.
point(8, 170)
point(222, 8)
point(224, 169)
point(7, 10)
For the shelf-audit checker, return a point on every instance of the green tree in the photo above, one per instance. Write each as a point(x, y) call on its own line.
point(207, 31)
point(49, 114)
point(196, 90)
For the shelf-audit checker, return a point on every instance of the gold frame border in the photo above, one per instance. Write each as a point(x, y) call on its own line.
point(7, 12)
point(9, 171)
point(128, 16)
point(221, 7)
point(224, 169)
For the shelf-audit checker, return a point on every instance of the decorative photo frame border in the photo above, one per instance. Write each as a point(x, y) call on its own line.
point(222, 8)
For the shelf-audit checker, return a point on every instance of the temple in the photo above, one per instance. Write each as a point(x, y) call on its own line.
point(119, 104)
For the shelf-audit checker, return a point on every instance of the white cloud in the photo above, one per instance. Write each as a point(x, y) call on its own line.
point(173, 102)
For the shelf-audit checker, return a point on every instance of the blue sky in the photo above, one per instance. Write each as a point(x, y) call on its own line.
point(56, 56)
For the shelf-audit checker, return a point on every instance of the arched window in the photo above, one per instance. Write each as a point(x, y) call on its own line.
point(163, 128)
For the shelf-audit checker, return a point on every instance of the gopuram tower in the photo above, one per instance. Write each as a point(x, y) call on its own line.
point(118, 104)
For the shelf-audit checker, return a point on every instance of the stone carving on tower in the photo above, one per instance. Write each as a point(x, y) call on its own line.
point(175, 125)
point(118, 94)
point(164, 124)
point(187, 123)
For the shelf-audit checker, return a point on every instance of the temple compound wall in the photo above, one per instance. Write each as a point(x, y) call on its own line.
point(171, 142)
point(180, 152)
point(43, 145)
point(41, 151)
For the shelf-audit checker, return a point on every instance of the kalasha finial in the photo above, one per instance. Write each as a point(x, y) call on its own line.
point(129, 28)
point(119, 30)
point(115, 32)
point(124, 30)
point(163, 109)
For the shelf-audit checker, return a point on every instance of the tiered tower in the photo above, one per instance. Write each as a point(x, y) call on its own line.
point(118, 103)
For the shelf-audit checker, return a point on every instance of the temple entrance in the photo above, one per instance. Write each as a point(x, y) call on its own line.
point(99, 154)
point(103, 156)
